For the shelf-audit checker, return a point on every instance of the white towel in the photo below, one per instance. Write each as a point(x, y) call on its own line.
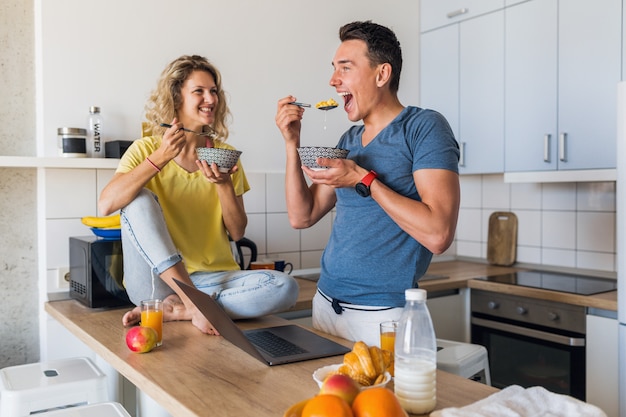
point(515, 401)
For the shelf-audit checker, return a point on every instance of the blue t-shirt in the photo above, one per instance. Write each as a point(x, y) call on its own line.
point(369, 259)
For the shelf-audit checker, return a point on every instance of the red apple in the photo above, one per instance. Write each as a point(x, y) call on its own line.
point(141, 339)
point(342, 386)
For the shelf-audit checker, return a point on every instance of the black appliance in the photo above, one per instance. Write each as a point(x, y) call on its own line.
point(532, 341)
point(556, 281)
point(97, 271)
point(116, 148)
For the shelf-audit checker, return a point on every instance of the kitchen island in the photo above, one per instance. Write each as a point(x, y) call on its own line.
point(197, 375)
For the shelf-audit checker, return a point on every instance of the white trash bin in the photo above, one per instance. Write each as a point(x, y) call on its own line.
point(45, 386)
point(108, 409)
point(463, 359)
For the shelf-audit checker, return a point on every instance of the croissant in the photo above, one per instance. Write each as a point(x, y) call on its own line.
point(366, 365)
point(352, 367)
point(381, 359)
point(365, 358)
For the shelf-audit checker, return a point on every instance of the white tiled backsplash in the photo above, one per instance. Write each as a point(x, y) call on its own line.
point(560, 224)
point(73, 193)
point(269, 228)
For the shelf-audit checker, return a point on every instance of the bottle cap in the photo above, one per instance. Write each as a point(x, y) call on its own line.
point(72, 131)
point(94, 109)
point(415, 294)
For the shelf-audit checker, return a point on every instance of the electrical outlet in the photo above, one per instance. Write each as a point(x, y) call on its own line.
point(63, 277)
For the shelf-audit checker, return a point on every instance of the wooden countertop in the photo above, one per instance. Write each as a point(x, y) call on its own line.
point(462, 274)
point(197, 375)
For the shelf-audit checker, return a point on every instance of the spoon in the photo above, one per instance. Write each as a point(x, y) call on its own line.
point(296, 103)
point(210, 134)
point(327, 107)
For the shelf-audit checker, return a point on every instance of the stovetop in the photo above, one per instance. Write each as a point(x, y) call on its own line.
point(556, 281)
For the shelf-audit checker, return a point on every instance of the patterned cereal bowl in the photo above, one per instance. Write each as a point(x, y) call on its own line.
point(224, 158)
point(309, 155)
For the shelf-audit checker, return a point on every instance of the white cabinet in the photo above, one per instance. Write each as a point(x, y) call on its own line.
point(602, 359)
point(563, 62)
point(449, 311)
point(439, 70)
point(623, 44)
point(481, 100)
point(531, 86)
point(437, 13)
point(528, 86)
point(462, 77)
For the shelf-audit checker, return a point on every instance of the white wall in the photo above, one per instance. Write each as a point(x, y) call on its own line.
point(110, 53)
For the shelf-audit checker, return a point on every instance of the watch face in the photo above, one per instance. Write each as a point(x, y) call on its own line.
point(362, 189)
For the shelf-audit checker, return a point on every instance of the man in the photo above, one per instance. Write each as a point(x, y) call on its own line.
point(396, 195)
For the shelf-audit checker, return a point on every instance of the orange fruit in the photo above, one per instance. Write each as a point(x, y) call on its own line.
point(377, 402)
point(296, 409)
point(327, 405)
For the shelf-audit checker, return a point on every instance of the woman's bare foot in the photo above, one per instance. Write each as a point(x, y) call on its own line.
point(173, 310)
point(132, 317)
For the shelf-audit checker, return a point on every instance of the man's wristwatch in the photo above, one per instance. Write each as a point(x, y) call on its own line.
point(363, 187)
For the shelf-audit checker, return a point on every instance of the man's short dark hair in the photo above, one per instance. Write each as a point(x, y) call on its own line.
point(382, 46)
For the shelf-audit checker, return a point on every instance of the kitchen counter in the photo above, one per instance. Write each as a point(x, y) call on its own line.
point(462, 274)
point(451, 275)
point(193, 374)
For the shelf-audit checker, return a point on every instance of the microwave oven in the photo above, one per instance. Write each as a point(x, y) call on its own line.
point(97, 272)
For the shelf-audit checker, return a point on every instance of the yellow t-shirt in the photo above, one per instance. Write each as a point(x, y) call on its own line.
point(191, 207)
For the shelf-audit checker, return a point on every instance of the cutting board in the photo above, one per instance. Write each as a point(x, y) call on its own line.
point(502, 238)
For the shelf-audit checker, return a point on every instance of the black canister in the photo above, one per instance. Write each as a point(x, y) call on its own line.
point(72, 142)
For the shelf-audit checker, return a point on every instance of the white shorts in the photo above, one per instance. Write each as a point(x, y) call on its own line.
point(355, 322)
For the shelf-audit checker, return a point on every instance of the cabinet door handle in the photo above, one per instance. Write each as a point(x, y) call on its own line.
point(546, 147)
point(562, 144)
point(462, 154)
point(458, 12)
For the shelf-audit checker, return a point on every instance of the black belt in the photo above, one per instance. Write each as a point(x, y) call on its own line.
point(336, 304)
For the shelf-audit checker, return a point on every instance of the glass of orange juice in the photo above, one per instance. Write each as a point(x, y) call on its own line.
point(388, 337)
point(152, 316)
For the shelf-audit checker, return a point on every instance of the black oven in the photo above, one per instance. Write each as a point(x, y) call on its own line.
point(531, 342)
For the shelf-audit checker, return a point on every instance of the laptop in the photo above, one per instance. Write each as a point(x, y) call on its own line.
point(275, 345)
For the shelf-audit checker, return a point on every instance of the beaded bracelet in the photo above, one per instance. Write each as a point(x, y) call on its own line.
point(153, 164)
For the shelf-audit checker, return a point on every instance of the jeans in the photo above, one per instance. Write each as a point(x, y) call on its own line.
point(148, 251)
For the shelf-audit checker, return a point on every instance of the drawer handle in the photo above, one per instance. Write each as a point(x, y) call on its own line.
point(528, 332)
point(562, 149)
point(546, 148)
point(457, 12)
point(462, 154)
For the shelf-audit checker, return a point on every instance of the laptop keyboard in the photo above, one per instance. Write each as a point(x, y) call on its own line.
point(274, 345)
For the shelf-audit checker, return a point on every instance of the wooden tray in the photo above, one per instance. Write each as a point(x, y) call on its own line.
point(502, 238)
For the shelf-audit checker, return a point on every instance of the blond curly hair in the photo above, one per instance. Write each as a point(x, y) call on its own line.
point(166, 97)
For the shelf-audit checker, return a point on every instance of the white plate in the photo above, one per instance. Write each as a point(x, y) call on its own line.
point(320, 375)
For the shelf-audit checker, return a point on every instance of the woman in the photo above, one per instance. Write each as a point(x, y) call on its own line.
point(178, 213)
